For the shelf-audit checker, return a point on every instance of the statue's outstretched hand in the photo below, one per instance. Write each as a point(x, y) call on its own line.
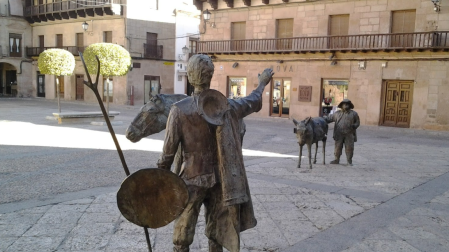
point(265, 77)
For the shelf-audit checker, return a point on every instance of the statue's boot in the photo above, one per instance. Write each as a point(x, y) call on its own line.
point(336, 161)
point(214, 246)
point(180, 248)
point(349, 157)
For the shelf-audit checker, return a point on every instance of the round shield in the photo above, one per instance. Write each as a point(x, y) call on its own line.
point(212, 105)
point(152, 197)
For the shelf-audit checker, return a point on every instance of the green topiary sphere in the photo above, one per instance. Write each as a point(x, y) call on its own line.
point(56, 62)
point(114, 59)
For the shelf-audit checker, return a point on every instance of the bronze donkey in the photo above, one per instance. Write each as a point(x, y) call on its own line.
point(310, 131)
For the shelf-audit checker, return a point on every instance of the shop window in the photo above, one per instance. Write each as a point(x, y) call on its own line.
point(15, 45)
point(152, 86)
point(334, 92)
point(236, 87)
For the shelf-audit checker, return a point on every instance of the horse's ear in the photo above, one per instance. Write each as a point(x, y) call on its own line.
point(307, 120)
point(295, 122)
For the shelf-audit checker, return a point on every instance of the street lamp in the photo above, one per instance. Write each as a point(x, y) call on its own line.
point(85, 26)
point(436, 6)
point(185, 50)
point(206, 15)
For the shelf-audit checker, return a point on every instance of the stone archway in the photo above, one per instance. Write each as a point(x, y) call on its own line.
point(8, 79)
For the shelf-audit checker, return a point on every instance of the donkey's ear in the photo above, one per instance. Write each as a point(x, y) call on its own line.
point(307, 120)
point(295, 122)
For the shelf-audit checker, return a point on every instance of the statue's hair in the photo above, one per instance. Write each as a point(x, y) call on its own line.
point(200, 69)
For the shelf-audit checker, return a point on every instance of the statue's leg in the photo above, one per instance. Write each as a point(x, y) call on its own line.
point(316, 151)
point(300, 155)
point(309, 148)
point(338, 150)
point(222, 222)
point(349, 148)
point(184, 226)
point(324, 151)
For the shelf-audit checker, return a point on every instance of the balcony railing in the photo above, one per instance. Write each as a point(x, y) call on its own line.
point(152, 51)
point(66, 9)
point(369, 42)
point(35, 51)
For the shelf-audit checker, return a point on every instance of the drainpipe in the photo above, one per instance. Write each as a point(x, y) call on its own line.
point(27, 61)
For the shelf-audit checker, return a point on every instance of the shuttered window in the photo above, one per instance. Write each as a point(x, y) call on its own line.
point(238, 32)
point(338, 26)
point(284, 28)
point(59, 39)
point(80, 39)
point(107, 36)
point(284, 31)
point(403, 21)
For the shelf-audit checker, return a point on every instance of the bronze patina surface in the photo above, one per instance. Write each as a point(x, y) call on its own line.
point(310, 131)
point(212, 164)
point(152, 197)
point(346, 122)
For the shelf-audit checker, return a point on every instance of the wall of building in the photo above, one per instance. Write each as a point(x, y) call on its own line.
point(11, 21)
point(427, 70)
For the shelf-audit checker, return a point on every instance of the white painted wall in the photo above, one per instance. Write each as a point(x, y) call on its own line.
point(187, 22)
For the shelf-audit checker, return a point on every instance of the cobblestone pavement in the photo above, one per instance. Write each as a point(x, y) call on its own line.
point(59, 182)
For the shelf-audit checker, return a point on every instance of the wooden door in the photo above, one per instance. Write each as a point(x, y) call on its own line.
point(339, 28)
point(284, 33)
point(80, 87)
point(80, 42)
point(403, 22)
point(59, 40)
point(238, 35)
point(397, 103)
point(107, 37)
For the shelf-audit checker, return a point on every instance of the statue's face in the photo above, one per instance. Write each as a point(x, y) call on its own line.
point(345, 107)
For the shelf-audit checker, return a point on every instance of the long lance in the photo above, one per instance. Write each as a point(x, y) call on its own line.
point(94, 88)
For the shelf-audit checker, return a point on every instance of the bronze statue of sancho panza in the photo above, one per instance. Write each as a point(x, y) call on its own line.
point(206, 126)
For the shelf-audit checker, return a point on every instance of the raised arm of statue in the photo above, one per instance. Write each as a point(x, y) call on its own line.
point(253, 102)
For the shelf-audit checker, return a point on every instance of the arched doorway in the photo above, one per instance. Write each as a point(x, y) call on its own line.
point(8, 79)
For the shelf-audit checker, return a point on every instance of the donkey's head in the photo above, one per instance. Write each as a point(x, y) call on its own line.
point(152, 117)
point(304, 131)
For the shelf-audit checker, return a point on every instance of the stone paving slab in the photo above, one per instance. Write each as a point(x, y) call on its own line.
point(395, 197)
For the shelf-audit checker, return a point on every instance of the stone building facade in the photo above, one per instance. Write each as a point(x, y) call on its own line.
point(15, 35)
point(388, 57)
point(147, 29)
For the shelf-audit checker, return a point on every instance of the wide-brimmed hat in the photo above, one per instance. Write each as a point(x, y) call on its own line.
point(212, 105)
point(346, 101)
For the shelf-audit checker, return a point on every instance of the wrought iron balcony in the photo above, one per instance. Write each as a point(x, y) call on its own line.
point(419, 41)
point(152, 51)
point(67, 9)
point(35, 51)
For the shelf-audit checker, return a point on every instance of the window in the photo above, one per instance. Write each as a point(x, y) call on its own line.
point(107, 36)
point(150, 47)
point(59, 40)
point(192, 46)
point(236, 87)
point(238, 33)
point(284, 31)
point(403, 22)
point(339, 27)
point(334, 91)
point(41, 41)
point(15, 45)
point(79, 39)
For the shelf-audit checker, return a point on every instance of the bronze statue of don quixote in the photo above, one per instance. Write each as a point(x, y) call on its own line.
point(209, 170)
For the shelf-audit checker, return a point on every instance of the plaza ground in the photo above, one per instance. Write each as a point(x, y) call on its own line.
point(59, 183)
